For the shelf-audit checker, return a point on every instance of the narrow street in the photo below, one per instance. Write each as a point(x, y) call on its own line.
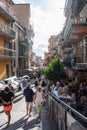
point(20, 121)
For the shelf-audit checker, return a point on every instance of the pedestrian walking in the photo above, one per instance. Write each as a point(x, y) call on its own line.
point(36, 82)
point(11, 87)
point(29, 94)
point(38, 99)
point(7, 97)
point(22, 83)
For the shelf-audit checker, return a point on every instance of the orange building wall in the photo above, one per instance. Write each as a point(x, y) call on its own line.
point(3, 68)
point(3, 61)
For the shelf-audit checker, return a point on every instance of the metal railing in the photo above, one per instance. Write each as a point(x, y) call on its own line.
point(23, 52)
point(63, 116)
point(67, 8)
point(67, 29)
point(7, 53)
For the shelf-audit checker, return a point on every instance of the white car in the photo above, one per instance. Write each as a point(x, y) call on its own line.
point(2, 85)
point(13, 82)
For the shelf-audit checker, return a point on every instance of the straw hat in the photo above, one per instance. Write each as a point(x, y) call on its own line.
point(39, 88)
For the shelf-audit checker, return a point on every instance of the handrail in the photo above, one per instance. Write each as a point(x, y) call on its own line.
point(70, 108)
point(7, 52)
point(8, 49)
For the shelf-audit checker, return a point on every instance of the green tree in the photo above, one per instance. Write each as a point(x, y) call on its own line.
point(55, 70)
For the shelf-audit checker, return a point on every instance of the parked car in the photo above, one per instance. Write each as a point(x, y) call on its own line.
point(28, 72)
point(13, 81)
point(27, 78)
point(2, 85)
point(17, 81)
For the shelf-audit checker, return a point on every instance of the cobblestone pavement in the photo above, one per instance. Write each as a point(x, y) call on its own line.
point(20, 121)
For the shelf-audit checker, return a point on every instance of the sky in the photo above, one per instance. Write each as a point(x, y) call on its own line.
point(47, 17)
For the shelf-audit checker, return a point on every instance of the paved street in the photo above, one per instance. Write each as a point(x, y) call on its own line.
point(20, 121)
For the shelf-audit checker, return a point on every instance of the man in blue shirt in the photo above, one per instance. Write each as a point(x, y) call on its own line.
point(29, 94)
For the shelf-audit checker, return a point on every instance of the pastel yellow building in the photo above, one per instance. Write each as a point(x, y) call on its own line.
point(7, 34)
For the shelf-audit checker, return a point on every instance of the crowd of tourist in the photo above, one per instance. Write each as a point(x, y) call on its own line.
point(76, 93)
point(8, 94)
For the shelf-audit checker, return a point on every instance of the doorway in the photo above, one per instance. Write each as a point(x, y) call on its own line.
point(7, 70)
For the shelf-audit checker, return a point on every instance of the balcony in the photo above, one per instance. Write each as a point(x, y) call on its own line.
point(80, 66)
point(73, 32)
point(6, 53)
point(24, 43)
point(6, 12)
point(29, 43)
point(7, 31)
point(67, 29)
point(79, 58)
point(67, 48)
point(23, 53)
point(67, 8)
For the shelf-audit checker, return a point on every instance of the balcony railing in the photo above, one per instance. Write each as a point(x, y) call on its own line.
point(24, 43)
point(6, 53)
point(6, 11)
point(81, 54)
point(80, 66)
point(23, 53)
point(67, 8)
point(71, 24)
point(63, 116)
point(7, 31)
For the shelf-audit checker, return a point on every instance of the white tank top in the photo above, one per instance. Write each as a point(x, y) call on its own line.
point(39, 98)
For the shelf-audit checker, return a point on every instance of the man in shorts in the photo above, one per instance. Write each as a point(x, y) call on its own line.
point(7, 97)
point(29, 95)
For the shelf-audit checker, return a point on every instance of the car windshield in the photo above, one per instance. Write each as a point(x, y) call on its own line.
point(26, 77)
point(6, 81)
